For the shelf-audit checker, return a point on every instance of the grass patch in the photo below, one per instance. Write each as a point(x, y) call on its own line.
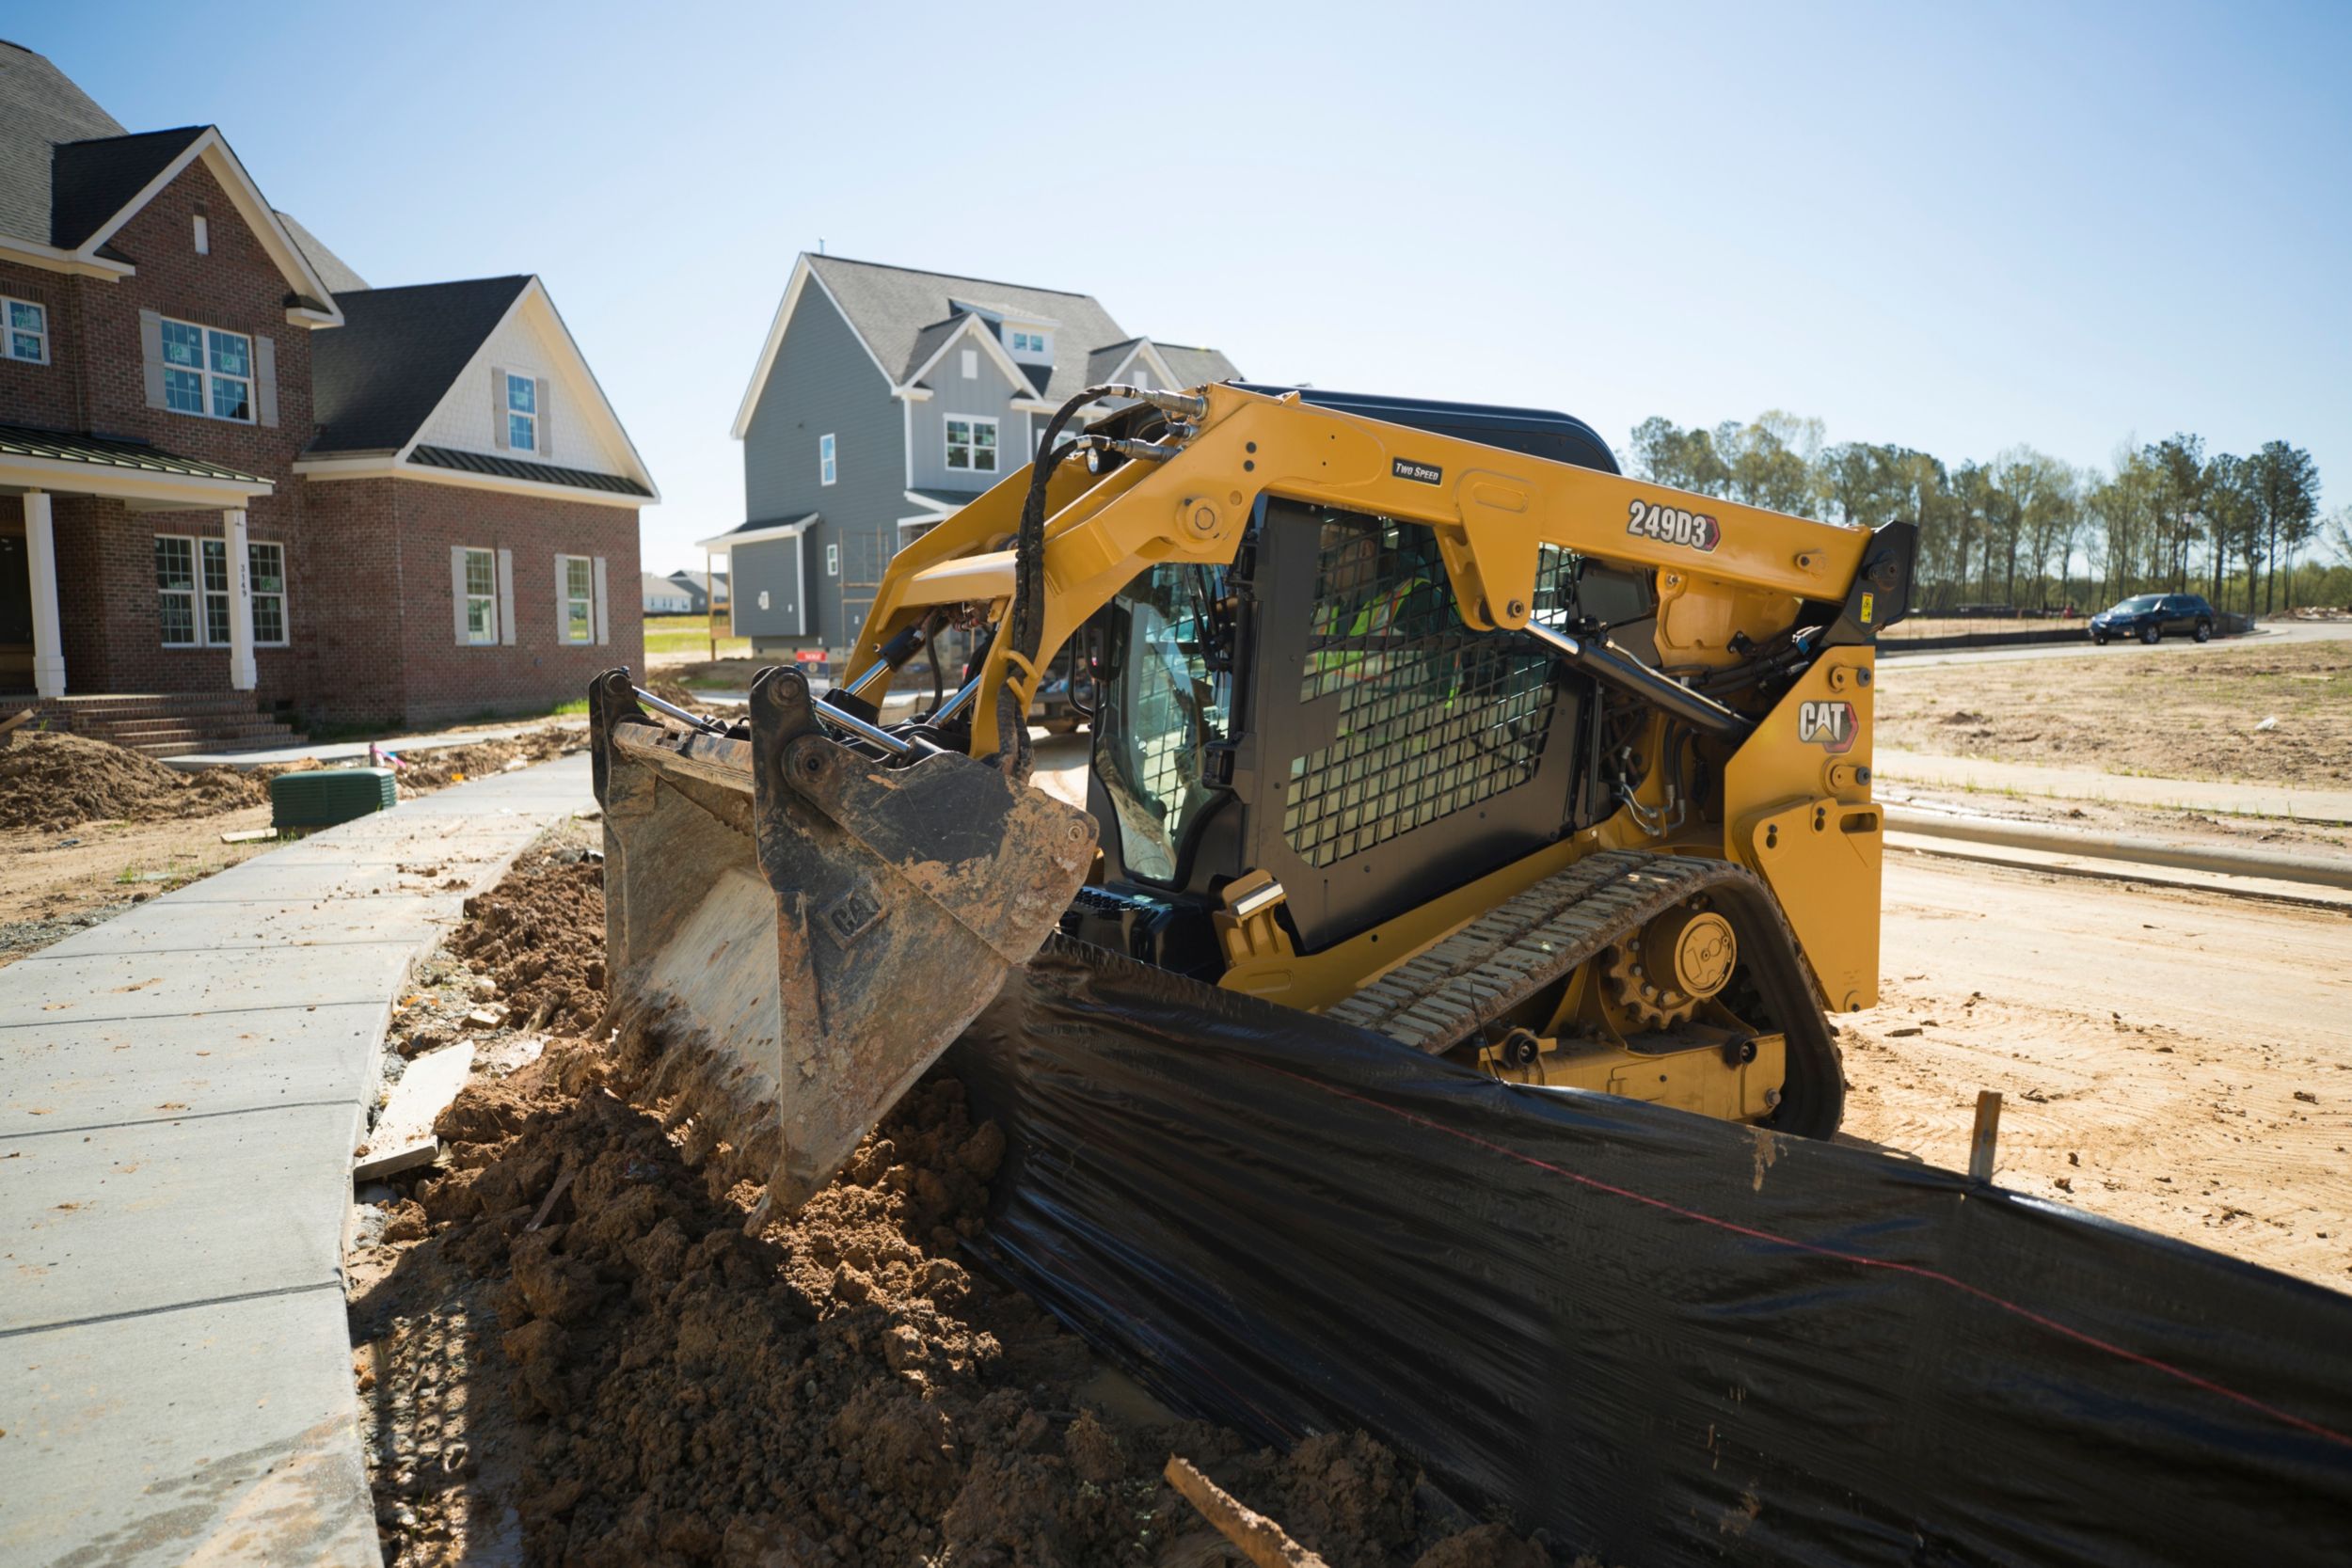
point(691, 635)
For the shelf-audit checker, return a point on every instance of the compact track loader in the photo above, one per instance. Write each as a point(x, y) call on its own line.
point(1419, 716)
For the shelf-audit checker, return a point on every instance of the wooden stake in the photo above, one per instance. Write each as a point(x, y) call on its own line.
point(1261, 1540)
point(1988, 1134)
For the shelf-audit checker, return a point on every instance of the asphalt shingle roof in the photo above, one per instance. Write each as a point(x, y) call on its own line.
point(1197, 366)
point(92, 181)
point(39, 106)
point(376, 379)
point(108, 452)
point(517, 467)
point(895, 309)
point(332, 271)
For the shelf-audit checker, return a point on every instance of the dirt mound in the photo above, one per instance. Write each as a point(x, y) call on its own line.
point(435, 769)
point(650, 1370)
point(540, 935)
point(53, 782)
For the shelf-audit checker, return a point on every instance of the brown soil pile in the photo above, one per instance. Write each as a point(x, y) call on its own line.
point(541, 937)
point(649, 1373)
point(436, 769)
point(53, 782)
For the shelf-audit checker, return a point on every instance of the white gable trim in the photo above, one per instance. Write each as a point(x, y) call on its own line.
point(257, 213)
point(585, 390)
point(973, 327)
point(720, 542)
point(1159, 366)
point(802, 275)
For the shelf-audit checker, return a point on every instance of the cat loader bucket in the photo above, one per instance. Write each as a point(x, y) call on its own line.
point(803, 919)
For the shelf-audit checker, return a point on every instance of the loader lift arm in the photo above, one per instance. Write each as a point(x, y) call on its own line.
point(1491, 511)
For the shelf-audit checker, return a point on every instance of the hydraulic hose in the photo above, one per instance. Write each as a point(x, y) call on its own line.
point(1028, 557)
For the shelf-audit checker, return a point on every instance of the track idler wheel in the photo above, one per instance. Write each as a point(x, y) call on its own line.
point(1661, 975)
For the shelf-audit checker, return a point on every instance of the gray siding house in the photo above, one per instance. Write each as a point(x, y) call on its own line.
point(884, 398)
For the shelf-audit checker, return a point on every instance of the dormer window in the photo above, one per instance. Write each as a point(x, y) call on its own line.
point(1025, 342)
point(522, 413)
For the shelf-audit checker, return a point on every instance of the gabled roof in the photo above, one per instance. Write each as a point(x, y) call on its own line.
point(92, 181)
point(377, 381)
point(377, 378)
point(39, 106)
point(1197, 366)
point(332, 271)
point(903, 314)
point(891, 307)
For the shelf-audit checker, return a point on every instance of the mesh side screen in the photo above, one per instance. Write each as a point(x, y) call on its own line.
point(1433, 717)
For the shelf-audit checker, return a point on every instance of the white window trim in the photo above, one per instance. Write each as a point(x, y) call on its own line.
point(563, 632)
point(8, 329)
point(996, 447)
point(199, 596)
point(513, 413)
point(833, 562)
point(204, 235)
point(489, 600)
point(828, 459)
point(206, 375)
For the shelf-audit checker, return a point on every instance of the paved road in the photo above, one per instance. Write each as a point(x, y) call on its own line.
point(181, 1089)
point(2270, 636)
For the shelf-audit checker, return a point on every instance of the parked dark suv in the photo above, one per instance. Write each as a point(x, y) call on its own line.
point(2149, 616)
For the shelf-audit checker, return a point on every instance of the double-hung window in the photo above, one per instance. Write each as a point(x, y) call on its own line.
point(522, 413)
point(207, 371)
point(482, 597)
point(579, 599)
point(824, 460)
point(269, 569)
point(27, 326)
point(175, 589)
point(971, 443)
point(192, 588)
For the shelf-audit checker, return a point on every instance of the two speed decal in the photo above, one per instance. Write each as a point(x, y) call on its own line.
point(1673, 526)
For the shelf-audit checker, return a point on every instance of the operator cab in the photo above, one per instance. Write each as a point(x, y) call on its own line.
point(1320, 712)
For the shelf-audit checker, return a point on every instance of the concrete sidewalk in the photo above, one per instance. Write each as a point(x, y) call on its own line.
point(181, 1089)
point(356, 751)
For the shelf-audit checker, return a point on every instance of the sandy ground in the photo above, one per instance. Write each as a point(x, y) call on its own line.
point(2188, 713)
point(2179, 1061)
point(57, 880)
point(54, 884)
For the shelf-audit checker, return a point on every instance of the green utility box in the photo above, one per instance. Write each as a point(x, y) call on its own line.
point(326, 796)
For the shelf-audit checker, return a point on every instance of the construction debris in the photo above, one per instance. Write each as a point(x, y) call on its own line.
point(403, 1136)
point(1261, 1540)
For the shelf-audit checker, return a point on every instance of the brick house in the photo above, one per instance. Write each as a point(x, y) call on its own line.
point(240, 488)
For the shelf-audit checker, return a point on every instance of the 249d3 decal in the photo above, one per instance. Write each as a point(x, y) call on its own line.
point(1673, 526)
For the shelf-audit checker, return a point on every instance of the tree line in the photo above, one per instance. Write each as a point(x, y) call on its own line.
point(2030, 531)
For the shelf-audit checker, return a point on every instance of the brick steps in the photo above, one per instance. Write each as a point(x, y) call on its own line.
point(172, 724)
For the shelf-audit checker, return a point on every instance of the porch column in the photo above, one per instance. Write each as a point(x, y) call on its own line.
point(242, 676)
point(40, 553)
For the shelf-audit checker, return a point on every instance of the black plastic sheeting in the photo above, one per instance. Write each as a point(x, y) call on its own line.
point(1659, 1337)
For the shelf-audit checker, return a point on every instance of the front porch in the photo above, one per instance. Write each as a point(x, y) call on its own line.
point(201, 595)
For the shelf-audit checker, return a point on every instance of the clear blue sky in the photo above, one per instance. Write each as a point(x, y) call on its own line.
point(1953, 227)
